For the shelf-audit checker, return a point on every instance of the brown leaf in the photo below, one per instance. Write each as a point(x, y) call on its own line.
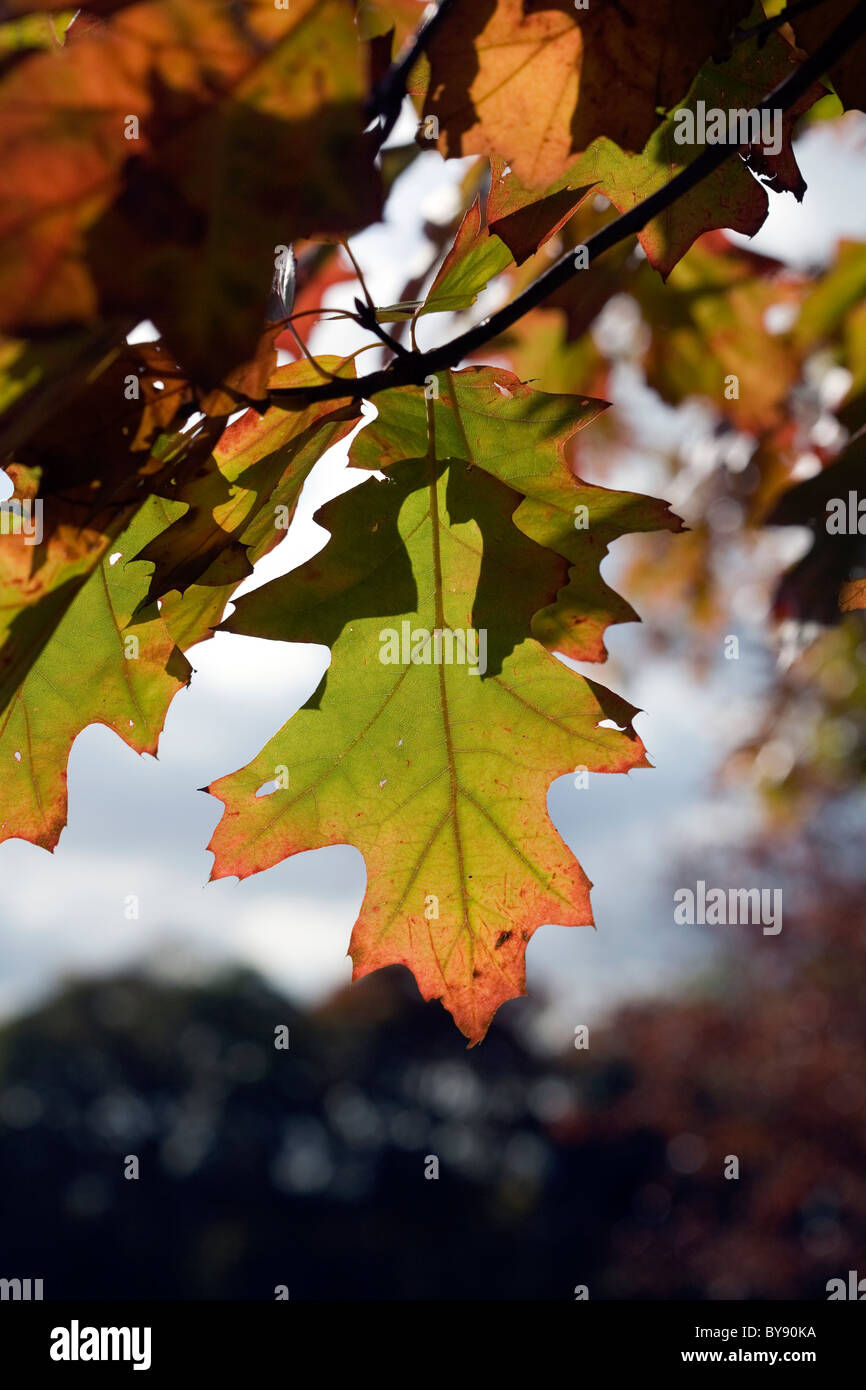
point(152, 165)
point(536, 81)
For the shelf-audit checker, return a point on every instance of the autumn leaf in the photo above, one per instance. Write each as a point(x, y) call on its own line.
point(159, 159)
point(40, 376)
point(137, 167)
point(70, 655)
point(473, 260)
point(436, 773)
point(522, 219)
point(89, 441)
point(396, 20)
point(730, 197)
point(95, 433)
point(488, 418)
point(81, 640)
point(852, 596)
point(531, 83)
point(245, 491)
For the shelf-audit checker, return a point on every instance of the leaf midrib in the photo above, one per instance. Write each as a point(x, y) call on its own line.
point(433, 493)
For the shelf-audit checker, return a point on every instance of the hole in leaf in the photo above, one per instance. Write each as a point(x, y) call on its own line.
point(17, 757)
point(267, 787)
point(113, 559)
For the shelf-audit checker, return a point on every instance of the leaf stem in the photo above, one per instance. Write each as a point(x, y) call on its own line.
point(344, 242)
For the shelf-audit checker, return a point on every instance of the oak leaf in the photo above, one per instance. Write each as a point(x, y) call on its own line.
point(72, 655)
point(532, 83)
point(731, 197)
point(241, 495)
point(491, 419)
point(437, 773)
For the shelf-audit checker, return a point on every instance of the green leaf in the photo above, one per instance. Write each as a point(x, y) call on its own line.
point(474, 259)
point(242, 498)
point(520, 436)
point(70, 655)
point(436, 773)
point(833, 297)
point(731, 197)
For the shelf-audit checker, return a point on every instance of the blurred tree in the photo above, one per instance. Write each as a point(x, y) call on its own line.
point(306, 1167)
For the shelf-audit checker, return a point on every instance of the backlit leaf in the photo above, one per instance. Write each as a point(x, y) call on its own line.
point(137, 167)
point(438, 775)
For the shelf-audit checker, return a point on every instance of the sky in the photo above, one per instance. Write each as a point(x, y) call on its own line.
point(138, 826)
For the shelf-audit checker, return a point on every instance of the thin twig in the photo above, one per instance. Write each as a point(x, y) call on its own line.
point(320, 313)
point(316, 366)
point(358, 272)
point(413, 368)
point(365, 315)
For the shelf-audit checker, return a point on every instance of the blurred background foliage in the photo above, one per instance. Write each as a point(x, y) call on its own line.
point(602, 1166)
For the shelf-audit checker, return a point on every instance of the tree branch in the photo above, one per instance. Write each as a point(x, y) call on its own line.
point(387, 97)
point(763, 30)
point(412, 369)
point(367, 319)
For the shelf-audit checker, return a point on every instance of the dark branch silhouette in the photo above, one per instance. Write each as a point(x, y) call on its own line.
point(763, 30)
point(386, 98)
point(413, 368)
